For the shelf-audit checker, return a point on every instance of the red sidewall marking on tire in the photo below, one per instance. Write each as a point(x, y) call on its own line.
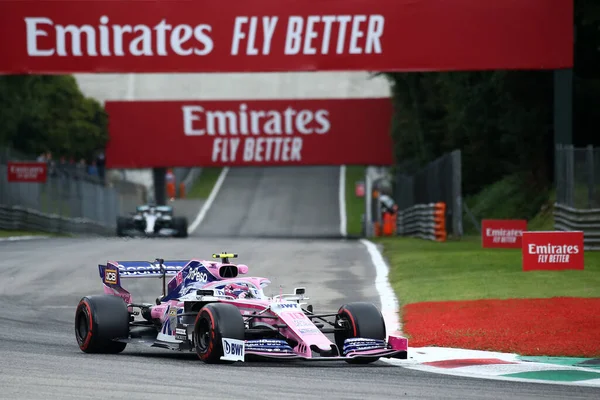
point(352, 321)
point(88, 337)
point(211, 331)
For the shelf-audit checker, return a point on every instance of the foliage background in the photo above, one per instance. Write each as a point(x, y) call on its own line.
point(49, 113)
point(501, 120)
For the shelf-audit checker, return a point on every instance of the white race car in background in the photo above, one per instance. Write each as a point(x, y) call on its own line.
point(151, 221)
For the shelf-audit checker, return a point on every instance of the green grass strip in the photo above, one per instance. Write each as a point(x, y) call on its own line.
point(204, 184)
point(355, 206)
point(422, 270)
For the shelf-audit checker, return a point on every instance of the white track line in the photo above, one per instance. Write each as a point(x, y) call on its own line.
point(342, 199)
point(389, 303)
point(21, 238)
point(206, 206)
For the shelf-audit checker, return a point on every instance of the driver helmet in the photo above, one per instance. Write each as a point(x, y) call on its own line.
point(237, 291)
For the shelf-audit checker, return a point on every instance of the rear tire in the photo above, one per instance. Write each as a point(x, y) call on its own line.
point(364, 320)
point(99, 320)
point(122, 225)
point(214, 322)
point(180, 224)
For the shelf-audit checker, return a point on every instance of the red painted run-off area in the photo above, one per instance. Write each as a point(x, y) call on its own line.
point(551, 327)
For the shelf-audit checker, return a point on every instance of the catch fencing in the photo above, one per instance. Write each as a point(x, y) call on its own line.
point(425, 221)
point(70, 201)
point(440, 181)
point(578, 192)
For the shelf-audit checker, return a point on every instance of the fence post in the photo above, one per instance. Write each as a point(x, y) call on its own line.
point(590, 175)
point(456, 205)
point(559, 182)
point(368, 200)
point(570, 175)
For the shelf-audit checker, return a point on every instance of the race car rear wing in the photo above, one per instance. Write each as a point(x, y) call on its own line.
point(112, 273)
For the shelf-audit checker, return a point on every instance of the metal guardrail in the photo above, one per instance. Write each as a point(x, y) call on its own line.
point(27, 219)
point(424, 221)
point(70, 201)
point(574, 219)
point(438, 181)
point(578, 176)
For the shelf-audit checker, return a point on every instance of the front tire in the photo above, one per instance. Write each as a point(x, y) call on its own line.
point(363, 320)
point(214, 322)
point(99, 320)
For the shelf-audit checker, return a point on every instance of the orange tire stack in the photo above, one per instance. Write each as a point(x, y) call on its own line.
point(439, 221)
point(389, 224)
point(171, 190)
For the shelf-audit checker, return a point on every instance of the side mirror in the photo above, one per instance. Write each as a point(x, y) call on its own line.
point(242, 269)
point(299, 290)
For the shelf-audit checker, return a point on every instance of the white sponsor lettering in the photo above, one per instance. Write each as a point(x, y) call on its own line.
point(550, 249)
point(259, 149)
point(268, 28)
point(503, 232)
point(302, 34)
point(26, 172)
point(198, 276)
point(553, 258)
point(233, 349)
point(150, 269)
point(198, 122)
point(110, 277)
point(106, 39)
point(252, 36)
point(303, 323)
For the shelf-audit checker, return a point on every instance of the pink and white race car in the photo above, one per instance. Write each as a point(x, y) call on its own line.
point(209, 308)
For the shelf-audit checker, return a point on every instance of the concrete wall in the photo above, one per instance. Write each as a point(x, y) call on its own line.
point(228, 86)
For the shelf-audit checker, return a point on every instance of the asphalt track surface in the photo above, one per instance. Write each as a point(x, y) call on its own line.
point(276, 202)
point(41, 282)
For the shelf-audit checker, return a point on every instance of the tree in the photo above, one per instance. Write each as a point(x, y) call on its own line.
point(49, 113)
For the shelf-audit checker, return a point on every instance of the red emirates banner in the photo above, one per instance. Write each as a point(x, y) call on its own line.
point(65, 36)
point(502, 233)
point(145, 134)
point(36, 172)
point(553, 250)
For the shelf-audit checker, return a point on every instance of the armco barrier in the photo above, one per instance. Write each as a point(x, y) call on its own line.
point(68, 202)
point(573, 219)
point(425, 221)
point(20, 218)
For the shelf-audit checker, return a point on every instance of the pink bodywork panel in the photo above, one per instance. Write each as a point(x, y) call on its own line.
point(398, 342)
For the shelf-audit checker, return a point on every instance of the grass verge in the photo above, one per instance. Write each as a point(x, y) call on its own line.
point(204, 184)
point(422, 270)
point(355, 206)
point(9, 233)
point(457, 294)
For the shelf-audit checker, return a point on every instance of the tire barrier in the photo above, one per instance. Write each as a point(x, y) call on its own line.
point(573, 219)
point(425, 221)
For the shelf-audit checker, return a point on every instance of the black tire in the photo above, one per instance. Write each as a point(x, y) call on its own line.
point(180, 224)
point(122, 226)
point(363, 320)
point(214, 322)
point(99, 320)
